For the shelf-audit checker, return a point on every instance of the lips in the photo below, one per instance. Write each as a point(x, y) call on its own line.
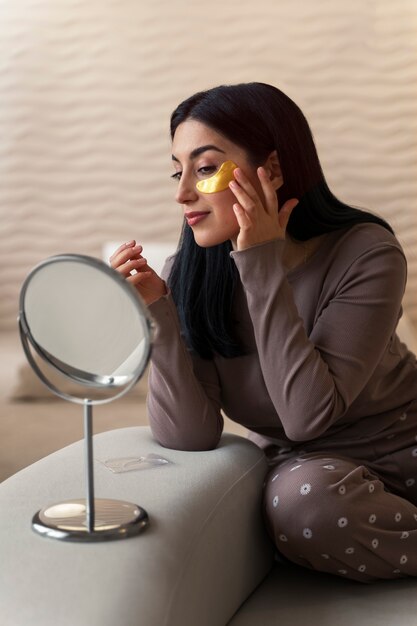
point(193, 217)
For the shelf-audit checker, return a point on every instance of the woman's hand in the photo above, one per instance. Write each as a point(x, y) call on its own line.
point(259, 222)
point(128, 257)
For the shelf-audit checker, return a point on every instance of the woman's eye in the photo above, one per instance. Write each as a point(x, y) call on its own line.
point(208, 170)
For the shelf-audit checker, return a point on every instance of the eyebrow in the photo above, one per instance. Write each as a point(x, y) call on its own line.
point(197, 151)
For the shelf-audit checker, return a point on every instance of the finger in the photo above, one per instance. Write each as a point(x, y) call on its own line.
point(144, 268)
point(129, 266)
point(245, 201)
point(118, 258)
point(270, 194)
point(285, 212)
point(242, 217)
point(124, 246)
point(140, 277)
point(245, 193)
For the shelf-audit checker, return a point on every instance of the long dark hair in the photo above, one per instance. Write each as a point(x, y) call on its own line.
point(260, 119)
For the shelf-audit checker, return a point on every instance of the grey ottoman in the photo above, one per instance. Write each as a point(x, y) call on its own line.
point(203, 553)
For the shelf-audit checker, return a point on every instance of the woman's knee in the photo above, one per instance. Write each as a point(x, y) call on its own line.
point(335, 516)
point(309, 498)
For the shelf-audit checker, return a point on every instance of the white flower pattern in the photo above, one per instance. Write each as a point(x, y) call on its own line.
point(377, 543)
point(305, 489)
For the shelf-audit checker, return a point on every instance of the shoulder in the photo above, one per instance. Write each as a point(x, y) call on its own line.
point(364, 240)
point(366, 250)
point(363, 237)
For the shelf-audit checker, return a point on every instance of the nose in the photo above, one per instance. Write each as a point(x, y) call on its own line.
point(186, 191)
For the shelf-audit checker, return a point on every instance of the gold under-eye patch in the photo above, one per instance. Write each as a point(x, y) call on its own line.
point(220, 180)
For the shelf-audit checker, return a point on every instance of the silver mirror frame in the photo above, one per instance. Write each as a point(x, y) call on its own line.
point(92, 519)
point(71, 373)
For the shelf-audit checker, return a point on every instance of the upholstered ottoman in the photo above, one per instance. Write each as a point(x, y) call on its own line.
point(203, 553)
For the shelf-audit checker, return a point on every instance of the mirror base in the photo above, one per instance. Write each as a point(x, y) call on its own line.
point(68, 520)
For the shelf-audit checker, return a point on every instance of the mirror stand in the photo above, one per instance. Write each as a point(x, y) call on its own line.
point(68, 304)
point(90, 519)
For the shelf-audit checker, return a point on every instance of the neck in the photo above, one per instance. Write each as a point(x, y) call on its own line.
point(296, 253)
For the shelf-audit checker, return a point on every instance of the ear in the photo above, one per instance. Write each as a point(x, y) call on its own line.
point(273, 169)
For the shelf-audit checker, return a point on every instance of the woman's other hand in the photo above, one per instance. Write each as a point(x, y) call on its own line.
point(258, 220)
point(128, 261)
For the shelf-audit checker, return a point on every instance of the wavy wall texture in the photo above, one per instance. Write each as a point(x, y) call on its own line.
point(86, 89)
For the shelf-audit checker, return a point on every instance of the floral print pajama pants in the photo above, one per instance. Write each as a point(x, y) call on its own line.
point(351, 514)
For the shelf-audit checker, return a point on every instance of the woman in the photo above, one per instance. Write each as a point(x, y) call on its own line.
point(280, 309)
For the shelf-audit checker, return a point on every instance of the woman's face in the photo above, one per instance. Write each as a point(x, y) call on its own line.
point(197, 154)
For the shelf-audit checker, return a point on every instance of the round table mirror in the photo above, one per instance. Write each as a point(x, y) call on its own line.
point(79, 320)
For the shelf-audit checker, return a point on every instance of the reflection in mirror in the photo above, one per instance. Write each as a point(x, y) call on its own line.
point(84, 322)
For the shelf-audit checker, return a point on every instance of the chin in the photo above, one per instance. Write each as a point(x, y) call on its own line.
point(208, 240)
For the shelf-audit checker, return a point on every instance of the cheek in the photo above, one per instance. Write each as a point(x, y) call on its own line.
point(224, 210)
point(229, 215)
point(228, 225)
point(224, 204)
point(222, 225)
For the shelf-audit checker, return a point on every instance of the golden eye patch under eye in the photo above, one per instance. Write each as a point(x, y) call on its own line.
point(220, 180)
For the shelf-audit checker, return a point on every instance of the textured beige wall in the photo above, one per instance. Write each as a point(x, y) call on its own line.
point(87, 86)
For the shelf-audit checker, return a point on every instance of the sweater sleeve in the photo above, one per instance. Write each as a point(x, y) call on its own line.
point(313, 380)
point(184, 392)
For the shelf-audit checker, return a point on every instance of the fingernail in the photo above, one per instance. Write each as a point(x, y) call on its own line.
point(130, 243)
